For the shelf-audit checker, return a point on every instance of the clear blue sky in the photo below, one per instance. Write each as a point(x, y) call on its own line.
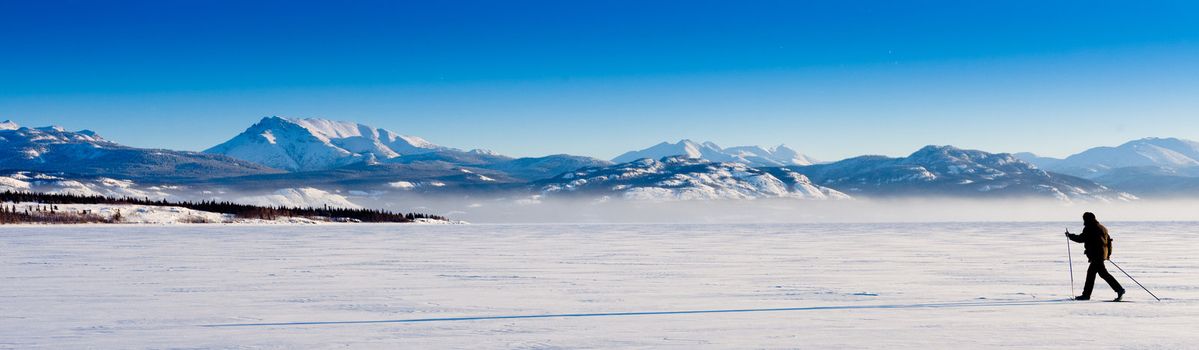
point(832, 79)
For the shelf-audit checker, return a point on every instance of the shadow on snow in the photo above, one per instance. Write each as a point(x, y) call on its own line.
point(650, 313)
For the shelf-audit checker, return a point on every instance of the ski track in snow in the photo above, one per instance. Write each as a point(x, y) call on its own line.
point(946, 285)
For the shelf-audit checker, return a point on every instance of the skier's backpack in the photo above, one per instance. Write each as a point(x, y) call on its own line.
point(1107, 245)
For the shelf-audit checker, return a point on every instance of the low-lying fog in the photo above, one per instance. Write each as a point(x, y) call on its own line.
point(534, 210)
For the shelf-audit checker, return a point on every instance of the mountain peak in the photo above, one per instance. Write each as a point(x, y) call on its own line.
point(482, 151)
point(9, 125)
point(52, 128)
point(937, 149)
point(750, 155)
point(334, 129)
point(1165, 153)
point(306, 144)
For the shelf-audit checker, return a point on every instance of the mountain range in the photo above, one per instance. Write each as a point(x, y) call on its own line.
point(1157, 167)
point(950, 171)
point(84, 153)
point(277, 153)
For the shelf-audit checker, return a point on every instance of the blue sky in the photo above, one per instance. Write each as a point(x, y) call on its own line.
point(831, 79)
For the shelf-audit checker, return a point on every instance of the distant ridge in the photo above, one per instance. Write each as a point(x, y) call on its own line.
point(951, 171)
point(750, 155)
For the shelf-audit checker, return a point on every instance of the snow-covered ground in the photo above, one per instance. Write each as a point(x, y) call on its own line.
point(844, 286)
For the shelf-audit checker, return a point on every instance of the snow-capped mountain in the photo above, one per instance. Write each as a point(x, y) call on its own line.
point(1155, 167)
point(1171, 154)
point(318, 144)
point(947, 170)
point(751, 155)
point(84, 153)
point(344, 156)
point(685, 178)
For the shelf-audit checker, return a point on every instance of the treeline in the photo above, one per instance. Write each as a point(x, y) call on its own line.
point(244, 211)
point(12, 214)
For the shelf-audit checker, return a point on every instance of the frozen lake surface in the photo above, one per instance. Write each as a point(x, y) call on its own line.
point(961, 285)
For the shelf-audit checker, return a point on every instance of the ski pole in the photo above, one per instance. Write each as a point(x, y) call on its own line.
point(1070, 260)
point(1135, 280)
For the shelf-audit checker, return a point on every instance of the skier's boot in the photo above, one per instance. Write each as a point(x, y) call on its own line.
point(1082, 297)
point(1119, 295)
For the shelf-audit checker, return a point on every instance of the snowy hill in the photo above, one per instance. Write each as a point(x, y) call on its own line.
point(318, 144)
point(25, 181)
point(946, 170)
point(685, 178)
point(749, 155)
point(84, 153)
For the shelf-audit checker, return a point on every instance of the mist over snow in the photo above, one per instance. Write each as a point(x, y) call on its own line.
point(542, 209)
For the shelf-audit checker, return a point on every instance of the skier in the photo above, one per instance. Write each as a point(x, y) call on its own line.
point(1098, 246)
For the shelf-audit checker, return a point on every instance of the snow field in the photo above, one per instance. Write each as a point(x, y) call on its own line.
point(851, 286)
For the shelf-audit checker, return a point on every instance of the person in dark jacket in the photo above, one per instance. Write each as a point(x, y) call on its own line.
point(1096, 241)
